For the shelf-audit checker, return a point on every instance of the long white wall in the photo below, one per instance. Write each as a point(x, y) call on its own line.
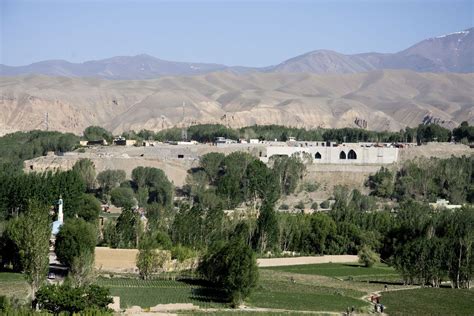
point(353, 153)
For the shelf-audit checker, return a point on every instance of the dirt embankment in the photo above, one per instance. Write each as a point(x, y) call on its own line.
point(291, 261)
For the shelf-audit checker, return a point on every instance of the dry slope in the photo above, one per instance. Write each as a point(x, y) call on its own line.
point(388, 100)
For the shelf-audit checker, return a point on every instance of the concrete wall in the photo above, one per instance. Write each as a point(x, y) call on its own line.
point(332, 155)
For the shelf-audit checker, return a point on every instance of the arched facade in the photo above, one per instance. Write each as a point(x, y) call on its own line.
point(342, 155)
point(352, 155)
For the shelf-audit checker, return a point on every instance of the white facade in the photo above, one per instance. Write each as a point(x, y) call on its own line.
point(342, 154)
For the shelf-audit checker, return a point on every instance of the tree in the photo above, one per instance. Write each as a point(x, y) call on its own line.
point(382, 183)
point(82, 269)
point(30, 234)
point(75, 238)
point(233, 267)
point(211, 164)
point(128, 229)
point(267, 228)
point(86, 169)
point(290, 171)
point(368, 257)
point(95, 133)
point(464, 133)
point(88, 208)
point(123, 197)
point(149, 259)
point(109, 179)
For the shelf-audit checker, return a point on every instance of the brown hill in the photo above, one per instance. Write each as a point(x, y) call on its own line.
point(387, 100)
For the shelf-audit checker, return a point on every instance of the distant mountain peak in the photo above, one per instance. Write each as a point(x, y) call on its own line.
point(452, 52)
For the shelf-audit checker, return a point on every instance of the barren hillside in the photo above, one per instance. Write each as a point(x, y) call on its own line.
point(387, 100)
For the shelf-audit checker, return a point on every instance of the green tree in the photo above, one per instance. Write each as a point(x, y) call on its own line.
point(149, 260)
point(123, 197)
point(95, 133)
point(86, 169)
point(30, 234)
point(367, 256)
point(233, 267)
point(109, 179)
point(75, 238)
point(381, 183)
point(267, 228)
point(128, 229)
point(290, 171)
point(211, 163)
point(89, 208)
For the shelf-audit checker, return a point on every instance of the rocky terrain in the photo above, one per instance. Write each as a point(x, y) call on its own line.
point(386, 100)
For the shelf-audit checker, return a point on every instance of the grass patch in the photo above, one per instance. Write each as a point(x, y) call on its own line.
point(342, 270)
point(14, 285)
point(429, 301)
point(152, 292)
point(297, 296)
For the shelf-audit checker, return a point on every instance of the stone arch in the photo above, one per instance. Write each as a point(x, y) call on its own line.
point(352, 155)
point(317, 155)
point(342, 155)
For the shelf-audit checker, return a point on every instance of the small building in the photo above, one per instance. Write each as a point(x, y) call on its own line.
point(254, 141)
point(444, 204)
point(83, 143)
point(122, 141)
point(223, 140)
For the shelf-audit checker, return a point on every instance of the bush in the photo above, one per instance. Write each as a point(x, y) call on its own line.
point(310, 187)
point(315, 206)
point(284, 207)
point(325, 204)
point(368, 257)
point(300, 205)
point(65, 298)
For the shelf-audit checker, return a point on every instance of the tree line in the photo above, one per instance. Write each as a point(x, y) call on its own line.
point(207, 133)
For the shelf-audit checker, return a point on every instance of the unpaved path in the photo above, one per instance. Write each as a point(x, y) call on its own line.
point(275, 262)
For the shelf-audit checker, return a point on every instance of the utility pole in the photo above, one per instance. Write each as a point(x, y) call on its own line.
point(46, 121)
point(184, 131)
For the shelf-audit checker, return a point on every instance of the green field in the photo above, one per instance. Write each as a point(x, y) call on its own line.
point(13, 285)
point(152, 292)
point(429, 301)
point(343, 271)
point(284, 294)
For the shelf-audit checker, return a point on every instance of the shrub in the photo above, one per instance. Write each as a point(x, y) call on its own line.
point(325, 204)
point(315, 206)
point(284, 207)
point(310, 187)
point(300, 205)
point(368, 257)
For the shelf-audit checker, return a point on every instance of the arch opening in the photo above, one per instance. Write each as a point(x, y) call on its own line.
point(317, 155)
point(352, 155)
point(342, 155)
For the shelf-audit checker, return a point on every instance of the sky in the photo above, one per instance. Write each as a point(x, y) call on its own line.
point(245, 33)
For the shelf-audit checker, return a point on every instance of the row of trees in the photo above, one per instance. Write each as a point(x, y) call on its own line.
point(208, 132)
point(427, 179)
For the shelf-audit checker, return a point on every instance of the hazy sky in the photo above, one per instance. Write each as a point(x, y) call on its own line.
point(249, 33)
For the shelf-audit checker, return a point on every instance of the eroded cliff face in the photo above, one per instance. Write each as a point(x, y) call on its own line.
point(385, 100)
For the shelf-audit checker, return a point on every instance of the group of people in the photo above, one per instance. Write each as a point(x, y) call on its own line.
point(378, 307)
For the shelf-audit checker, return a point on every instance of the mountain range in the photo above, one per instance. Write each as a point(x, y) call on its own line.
point(447, 53)
point(377, 100)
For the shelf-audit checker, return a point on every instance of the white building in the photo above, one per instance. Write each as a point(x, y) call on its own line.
point(349, 153)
